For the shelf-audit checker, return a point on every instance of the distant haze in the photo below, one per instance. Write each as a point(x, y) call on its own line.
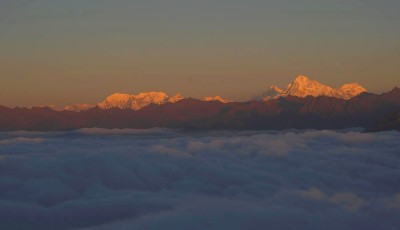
point(66, 52)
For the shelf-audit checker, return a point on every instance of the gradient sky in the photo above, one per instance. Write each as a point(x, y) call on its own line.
point(68, 51)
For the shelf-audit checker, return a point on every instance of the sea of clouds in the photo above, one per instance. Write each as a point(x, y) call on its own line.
point(165, 179)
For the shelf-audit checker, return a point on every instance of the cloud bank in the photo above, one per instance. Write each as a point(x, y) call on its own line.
point(164, 179)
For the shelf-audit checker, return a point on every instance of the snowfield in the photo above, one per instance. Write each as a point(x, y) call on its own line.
point(165, 179)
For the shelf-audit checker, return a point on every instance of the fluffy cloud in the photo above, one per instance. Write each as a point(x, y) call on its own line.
point(163, 179)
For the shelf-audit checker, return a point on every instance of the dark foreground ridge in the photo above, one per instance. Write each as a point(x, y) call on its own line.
point(323, 112)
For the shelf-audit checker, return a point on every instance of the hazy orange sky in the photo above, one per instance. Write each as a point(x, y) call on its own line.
point(65, 52)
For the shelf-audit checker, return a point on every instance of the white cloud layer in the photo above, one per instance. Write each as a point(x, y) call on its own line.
point(162, 179)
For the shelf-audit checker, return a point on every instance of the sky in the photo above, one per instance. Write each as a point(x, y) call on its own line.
point(55, 52)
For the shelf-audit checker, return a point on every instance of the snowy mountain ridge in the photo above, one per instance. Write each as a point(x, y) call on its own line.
point(302, 86)
point(136, 102)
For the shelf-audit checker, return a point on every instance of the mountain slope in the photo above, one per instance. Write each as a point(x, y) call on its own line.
point(390, 122)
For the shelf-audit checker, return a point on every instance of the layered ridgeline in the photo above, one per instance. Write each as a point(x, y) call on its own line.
point(305, 104)
point(302, 86)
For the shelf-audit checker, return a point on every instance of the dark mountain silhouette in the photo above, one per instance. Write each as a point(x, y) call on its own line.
point(310, 112)
point(391, 122)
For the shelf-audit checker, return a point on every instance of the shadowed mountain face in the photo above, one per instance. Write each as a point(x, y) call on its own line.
point(282, 113)
point(391, 122)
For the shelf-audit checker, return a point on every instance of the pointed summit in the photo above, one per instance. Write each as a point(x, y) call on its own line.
point(301, 78)
point(350, 90)
point(302, 86)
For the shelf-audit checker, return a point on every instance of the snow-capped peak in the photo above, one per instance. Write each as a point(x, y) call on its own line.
point(351, 90)
point(216, 98)
point(78, 107)
point(117, 100)
point(176, 98)
point(303, 86)
point(144, 99)
point(301, 78)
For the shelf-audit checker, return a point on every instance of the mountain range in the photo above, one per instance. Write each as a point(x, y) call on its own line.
point(136, 102)
point(302, 86)
point(365, 110)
